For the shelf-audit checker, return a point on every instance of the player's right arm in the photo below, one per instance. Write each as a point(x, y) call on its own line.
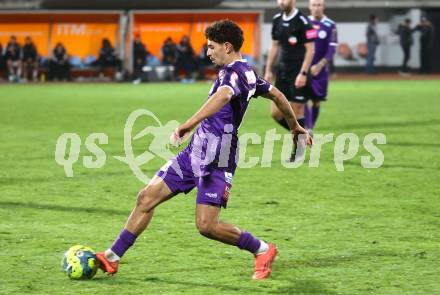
point(284, 106)
point(272, 55)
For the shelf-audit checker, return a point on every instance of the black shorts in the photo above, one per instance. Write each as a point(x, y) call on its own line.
point(285, 82)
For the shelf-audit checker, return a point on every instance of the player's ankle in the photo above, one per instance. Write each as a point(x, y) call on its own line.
point(263, 247)
point(111, 256)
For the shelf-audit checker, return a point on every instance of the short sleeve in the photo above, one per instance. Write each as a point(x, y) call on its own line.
point(275, 32)
point(309, 34)
point(262, 87)
point(229, 78)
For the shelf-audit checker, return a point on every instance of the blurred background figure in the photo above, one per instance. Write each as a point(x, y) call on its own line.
point(2, 64)
point(108, 59)
point(372, 43)
point(169, 56)
point(426, 44)
point(13, 59)
point(203, 62)
point(169, 52)
point(185, 59)
point(59, 67)
point(406, 41)
point(140, 54)
point(30, 60)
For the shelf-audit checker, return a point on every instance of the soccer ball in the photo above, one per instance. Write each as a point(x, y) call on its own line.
point(79, 262)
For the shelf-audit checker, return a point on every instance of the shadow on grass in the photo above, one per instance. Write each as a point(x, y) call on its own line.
point(247, 286)
point(30, 205)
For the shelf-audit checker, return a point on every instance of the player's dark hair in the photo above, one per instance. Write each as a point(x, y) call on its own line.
point(225, 31)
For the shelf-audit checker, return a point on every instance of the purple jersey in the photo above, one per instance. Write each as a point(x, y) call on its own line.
point(325, 47)
point(215, 142)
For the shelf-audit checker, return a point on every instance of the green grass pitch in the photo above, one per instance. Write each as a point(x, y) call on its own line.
point(361, 231)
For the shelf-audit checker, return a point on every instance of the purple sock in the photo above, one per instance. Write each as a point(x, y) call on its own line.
point(315, 114)
point(248, 242)
point(124, 241)
point(307, 116)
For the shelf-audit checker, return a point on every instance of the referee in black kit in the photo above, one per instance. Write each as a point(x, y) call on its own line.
point(294, 35)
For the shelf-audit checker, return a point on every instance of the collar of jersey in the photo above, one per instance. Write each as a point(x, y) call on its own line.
point(287, 18)
point(323, 19)
point(240, 60)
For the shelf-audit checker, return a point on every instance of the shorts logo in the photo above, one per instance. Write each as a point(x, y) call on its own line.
point(311, 34)
point(211, 195)
point(292, 40)
point(227, 192)
point(322, 34)
point(228, 177)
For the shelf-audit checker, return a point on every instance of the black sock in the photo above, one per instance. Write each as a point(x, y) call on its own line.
point(283, 123)
point(295, 146)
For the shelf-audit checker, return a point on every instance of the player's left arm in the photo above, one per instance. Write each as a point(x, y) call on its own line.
point(284, 106)
point(331, 50)
point(214, 104)
point(308, 37)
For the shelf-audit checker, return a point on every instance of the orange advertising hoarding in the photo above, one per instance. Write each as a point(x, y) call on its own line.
point(83, 39)
point(154, 28)
point(37, 31)
point(80, 32)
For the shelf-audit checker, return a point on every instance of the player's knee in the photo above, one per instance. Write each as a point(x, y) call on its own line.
point(144, 200)
point(205, 227)
point(316, 103)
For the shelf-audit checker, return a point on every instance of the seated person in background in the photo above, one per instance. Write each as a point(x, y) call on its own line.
point(140, 54)
point(169, 55)
point(12, 58)
point(108, 58)
point(169, 52)
point(59, 67)
point(185, 59)
point(203, 62)
point(30, 60)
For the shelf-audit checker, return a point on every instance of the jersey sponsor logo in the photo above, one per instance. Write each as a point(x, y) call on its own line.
point(292, 40)
point(322, 34)
point(299, 97)
point(211, 195)
point(311, 34)
point(286, 24)
point(228, 177)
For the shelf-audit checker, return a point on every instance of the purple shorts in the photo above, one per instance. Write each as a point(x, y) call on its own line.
point(213, 187)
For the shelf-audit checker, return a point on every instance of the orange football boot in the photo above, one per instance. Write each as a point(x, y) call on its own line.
point(109, 267)
point(263, 263)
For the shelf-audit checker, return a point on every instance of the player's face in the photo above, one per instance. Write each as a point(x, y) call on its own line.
point(217, 53)
point(316, 8)
point(286, 5)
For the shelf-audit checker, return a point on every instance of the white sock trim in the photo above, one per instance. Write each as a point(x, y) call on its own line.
point(263, 247)
point(111, 256)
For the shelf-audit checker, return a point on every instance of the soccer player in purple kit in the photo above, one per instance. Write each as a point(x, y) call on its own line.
point(325, 48)
point(214, 139)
